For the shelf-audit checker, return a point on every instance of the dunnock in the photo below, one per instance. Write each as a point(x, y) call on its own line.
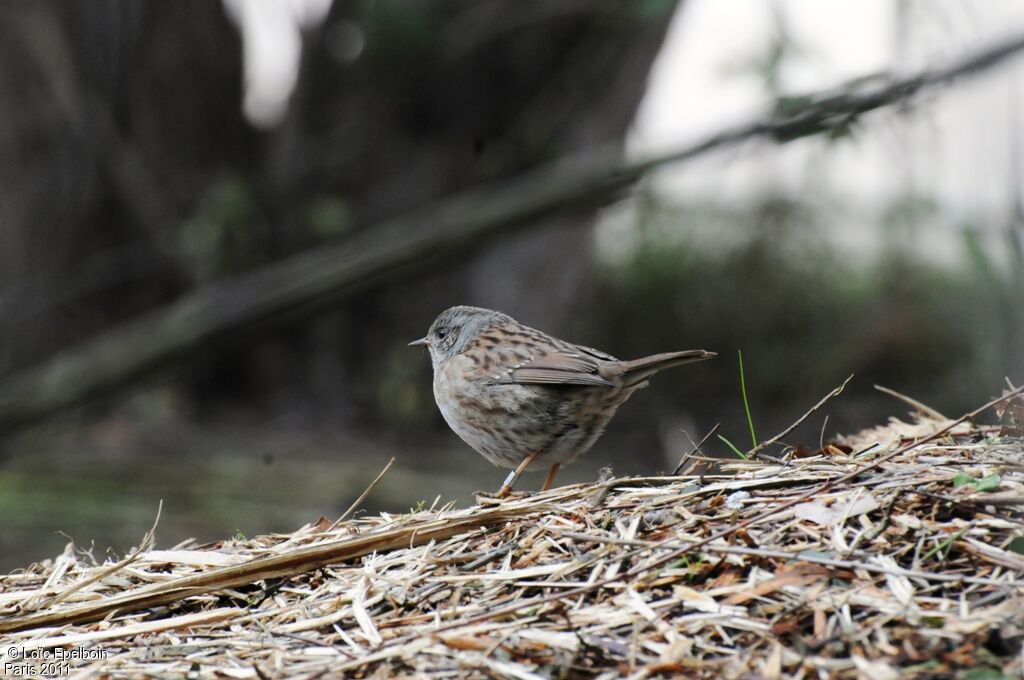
point(524, 399)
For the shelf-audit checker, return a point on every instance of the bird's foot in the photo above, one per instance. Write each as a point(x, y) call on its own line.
point(506, 486)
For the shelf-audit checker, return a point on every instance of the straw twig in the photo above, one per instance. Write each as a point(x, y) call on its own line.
point(913, 403)
point(696, 448)
point(362, 497)
point(799, 421)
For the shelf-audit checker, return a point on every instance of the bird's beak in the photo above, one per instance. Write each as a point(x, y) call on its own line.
point(422, 342)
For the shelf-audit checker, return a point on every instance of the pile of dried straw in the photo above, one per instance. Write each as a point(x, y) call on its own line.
point(895, 552)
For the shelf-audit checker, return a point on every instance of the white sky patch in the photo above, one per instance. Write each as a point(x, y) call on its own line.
point(272, 43)
point(961, 146)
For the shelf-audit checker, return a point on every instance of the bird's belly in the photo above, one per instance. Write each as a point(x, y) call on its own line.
point(506, 423)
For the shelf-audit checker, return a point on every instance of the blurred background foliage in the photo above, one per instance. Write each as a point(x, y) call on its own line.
point(140, 162)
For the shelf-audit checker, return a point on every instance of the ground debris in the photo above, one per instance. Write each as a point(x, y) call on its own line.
point(914, 568)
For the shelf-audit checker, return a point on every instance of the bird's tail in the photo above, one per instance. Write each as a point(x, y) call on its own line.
point(638, 370)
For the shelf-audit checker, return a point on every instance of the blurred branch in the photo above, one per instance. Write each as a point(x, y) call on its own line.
point(20, 301)
point(483, 23)
point(89, 116)
point(299, 285)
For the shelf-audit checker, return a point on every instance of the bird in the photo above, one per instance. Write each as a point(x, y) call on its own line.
point(524, 399)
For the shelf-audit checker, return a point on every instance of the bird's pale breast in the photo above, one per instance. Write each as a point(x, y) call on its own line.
point(505, 423)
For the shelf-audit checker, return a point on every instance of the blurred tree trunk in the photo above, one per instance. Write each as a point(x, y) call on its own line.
point(115, 116)
point(128, 175)
point(409, 101)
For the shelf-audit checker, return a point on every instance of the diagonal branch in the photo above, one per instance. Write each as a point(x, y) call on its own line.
point(392, 249)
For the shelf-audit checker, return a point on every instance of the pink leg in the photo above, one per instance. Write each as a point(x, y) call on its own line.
point(506, 488)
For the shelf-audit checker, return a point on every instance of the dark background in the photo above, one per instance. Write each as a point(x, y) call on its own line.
point(132, 178)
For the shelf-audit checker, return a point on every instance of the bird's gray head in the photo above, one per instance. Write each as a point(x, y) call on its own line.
point(454, 330)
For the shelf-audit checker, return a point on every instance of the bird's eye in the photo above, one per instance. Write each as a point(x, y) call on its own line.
point(441, 332)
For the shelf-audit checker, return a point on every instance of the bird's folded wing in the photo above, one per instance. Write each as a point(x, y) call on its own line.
point(555, 368)
point(604, 356)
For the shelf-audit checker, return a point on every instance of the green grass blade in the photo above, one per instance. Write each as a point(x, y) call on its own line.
point(733, 447)
point(746, 403)
point(945, 544)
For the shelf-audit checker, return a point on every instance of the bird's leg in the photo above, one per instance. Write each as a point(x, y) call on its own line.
point(506, 488)
point(551, 476)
